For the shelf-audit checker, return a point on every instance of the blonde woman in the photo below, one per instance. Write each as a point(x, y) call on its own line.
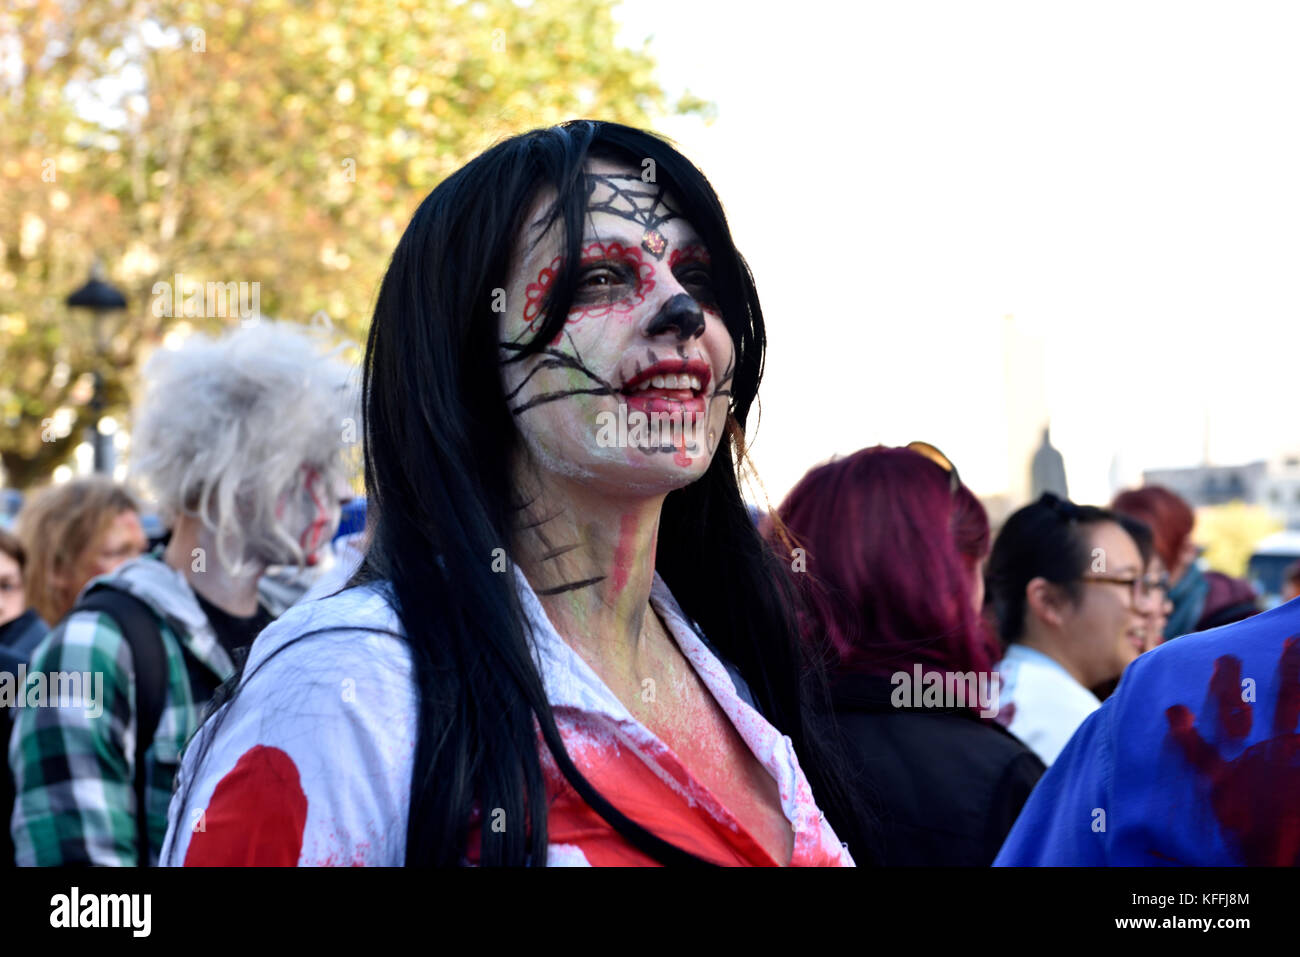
point(72, 533)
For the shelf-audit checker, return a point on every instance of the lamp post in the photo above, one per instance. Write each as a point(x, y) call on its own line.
point(101, 299)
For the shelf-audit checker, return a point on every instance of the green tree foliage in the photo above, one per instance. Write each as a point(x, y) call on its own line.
point(256, 141)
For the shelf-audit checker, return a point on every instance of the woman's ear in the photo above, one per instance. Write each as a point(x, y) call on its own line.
point(1044, 601)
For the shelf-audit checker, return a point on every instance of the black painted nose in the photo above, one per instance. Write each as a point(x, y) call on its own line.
point(681, 313)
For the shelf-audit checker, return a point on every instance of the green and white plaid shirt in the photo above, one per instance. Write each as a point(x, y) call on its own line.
point(74, 768)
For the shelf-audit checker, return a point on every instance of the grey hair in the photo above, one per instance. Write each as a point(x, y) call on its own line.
point(226, 424)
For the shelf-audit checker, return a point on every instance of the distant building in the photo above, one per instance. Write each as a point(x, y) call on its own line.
point(1273, 484)
point(1212, 484)
point(1025, 394)
point(1047, 473)
point(1280, 492)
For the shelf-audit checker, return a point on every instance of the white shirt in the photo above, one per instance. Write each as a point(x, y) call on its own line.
point(317, 748)
point(1045, 702)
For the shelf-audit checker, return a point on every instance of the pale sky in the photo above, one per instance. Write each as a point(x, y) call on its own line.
point(1122, 178)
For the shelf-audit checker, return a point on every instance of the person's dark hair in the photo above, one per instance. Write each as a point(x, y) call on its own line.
point(1292, 573)
point(1141, 534)
point(1047, 539)
point(439, 445)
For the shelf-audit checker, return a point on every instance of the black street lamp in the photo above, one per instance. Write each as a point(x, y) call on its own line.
point(101, 299)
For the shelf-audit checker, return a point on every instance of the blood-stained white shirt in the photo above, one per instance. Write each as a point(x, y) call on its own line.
point(1042, 704)
point(312, 761)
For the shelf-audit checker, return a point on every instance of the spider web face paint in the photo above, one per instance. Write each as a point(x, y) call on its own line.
point(629, 310)
point(630, 198)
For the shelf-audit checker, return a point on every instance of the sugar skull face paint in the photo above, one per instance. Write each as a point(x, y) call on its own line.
point(633, 392)
point(630, 198)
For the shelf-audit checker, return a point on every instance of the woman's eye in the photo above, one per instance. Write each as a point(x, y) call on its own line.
point(696, 277)
point(597, 278)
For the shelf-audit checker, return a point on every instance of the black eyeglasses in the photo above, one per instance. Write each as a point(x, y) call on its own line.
point(1142, 586)
point(1159, 583)
point(939, 459)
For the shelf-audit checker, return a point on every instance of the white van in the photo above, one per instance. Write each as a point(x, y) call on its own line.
point(1269, 561)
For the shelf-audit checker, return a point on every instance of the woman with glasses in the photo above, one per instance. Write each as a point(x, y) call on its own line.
point(890, 547)
point(1157, 587)
point(1068, 587)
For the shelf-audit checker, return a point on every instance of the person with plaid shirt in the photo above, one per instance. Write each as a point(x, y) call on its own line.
point(241, 441)
point(74, 764)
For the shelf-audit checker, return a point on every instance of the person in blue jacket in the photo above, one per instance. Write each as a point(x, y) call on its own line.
point(1194, 760)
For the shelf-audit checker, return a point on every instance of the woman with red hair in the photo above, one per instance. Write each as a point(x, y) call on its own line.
point(1201, 599)
point(887, 546)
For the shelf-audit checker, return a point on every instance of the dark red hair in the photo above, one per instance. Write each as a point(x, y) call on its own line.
point(891, 553)
point(1170, 519)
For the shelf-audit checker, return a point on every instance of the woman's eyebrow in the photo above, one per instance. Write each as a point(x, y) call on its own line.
point(631, 238)
point(688, 243)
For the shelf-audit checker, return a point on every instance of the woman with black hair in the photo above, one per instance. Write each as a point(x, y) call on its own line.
point(563, 356)
point(1069, 590)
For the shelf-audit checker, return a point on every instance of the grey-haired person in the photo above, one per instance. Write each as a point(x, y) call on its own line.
point(241, 442)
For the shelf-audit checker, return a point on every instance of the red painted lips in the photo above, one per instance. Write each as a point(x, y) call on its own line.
point(669, 386)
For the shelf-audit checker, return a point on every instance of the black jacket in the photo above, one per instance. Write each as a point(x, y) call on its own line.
point(21, 636)
point(18, 639)
point(944, 786)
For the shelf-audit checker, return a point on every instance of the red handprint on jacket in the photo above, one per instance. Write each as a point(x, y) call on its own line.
point(1256, 795)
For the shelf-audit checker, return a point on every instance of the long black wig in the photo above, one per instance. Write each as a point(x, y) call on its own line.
point(440, 445)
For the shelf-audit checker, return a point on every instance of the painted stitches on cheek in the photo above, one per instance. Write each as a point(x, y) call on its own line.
point(555, 359)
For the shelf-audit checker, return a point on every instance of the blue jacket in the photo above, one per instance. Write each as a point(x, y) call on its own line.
point(1194, 760)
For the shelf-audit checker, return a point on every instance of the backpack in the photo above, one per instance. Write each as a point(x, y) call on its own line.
point(9, 663)
point(143, 635)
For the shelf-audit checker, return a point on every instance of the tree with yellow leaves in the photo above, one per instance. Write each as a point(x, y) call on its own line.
point(264, 145)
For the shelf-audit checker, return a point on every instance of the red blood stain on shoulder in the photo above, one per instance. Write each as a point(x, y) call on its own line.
point(256, 816)
point(1253, 795)
point(1225, 686)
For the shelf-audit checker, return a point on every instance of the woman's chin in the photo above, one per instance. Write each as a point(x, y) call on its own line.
point(648, 472)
